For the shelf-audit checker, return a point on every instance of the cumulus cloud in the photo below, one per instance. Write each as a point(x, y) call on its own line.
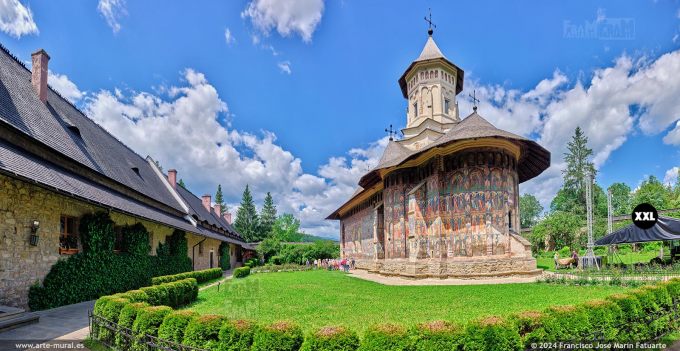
point(228, 37)
point(284, 66)
point(64, 86)
point(286, 16)
point(671, 176)
point(16, 19)
point(182, 130)
point(112, 10)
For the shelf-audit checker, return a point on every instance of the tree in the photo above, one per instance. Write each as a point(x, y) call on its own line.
point(577, 162)
point(559, 228)
point(529, 210)
point(181, 183)
point(246, 222)
point(267, 215)
point(652, 192)
point(621, 199)
point(219, 200)
point(287, 228)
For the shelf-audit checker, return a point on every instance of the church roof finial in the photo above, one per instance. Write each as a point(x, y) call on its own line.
point(430, 23)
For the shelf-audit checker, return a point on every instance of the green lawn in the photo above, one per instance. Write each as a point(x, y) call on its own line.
point(318, 298)
point(548, 263)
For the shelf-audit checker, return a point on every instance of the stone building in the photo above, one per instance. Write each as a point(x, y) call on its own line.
point(56, 165)
point(444, 200)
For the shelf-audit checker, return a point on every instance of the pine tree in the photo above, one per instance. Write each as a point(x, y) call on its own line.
point(577, 162)
point(181, 183)
point(246, 222)
point(219, 200)
point(267, 216)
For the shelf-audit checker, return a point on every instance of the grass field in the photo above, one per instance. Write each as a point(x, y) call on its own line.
point(547, 263)
point(318, 298)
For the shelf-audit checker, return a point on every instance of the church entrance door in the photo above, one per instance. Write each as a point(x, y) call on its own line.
point(380, 231)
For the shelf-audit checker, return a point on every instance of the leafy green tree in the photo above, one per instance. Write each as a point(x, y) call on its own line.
point(287, 228)
point(559, 228)
point(219, 200)
point(247, 222)
point(267, 215)
point(653, 192)
point(529, 210)
point(621, 198)
point(269, 248)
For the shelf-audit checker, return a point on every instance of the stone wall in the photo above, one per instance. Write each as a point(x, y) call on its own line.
point(22, 265)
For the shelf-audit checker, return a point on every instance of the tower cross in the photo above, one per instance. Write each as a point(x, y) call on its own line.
point(474, 100)
point(391, 132)
point(430, 23)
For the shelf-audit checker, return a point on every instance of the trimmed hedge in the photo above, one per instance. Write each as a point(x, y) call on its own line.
point(241, 272)
point(492, 334)
point(109, 309)
point(174, 294)
point(147, 322)
point(201, 276)
point(126, 319)
point(437, 335)
point(174, 324)
point(236, 335)
point(203, 331)
point(331, 339)
point(386, 337)
point(279, 336)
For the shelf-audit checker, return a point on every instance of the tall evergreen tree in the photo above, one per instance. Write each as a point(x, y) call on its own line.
point(267, 216)
point(246, 222)
point(219, 200)
point(181, 183)
point(577, 162)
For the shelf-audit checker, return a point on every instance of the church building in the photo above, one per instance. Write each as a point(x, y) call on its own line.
point(444, 200)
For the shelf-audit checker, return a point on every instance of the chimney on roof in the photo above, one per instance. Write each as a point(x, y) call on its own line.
point(39, 73)
point(218, 209)
point(172, 178)
point(206, 202)
point(227, 217)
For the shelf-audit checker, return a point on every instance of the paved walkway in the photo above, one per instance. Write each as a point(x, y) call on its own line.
point(385, 280)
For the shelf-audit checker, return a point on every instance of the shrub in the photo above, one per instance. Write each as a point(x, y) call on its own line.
point(565, 323)
point(632, 315)
point(605, 317)
point(528, 325)
point(491, 334)
point(386, 337)
point(241, 272)
point(236, 335)
point(109, 308)
point(136, 296)
point(331, 339)
point(126, 319)
point(201, 276)
point(280, 336)
point(437, 335)
point(225, 258)
point(203, 331)
point(158, 294)
point(147, 322)
point(174, 324)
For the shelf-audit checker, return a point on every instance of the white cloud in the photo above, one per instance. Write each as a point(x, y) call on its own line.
point(182, 131)
point(228, 37)
point(284, 66)
point(64, 86)
point(286, 16)
point(671, 176)
point(112, 10)
point(16, 19)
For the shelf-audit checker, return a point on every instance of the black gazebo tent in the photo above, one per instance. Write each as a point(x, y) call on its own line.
point(666, 229)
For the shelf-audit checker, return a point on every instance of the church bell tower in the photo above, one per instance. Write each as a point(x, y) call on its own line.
point(430, 85)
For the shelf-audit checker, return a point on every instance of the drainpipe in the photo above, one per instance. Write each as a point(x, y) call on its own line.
point(193, 256)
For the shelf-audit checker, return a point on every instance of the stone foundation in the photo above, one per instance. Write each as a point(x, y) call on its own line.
point(459, 268)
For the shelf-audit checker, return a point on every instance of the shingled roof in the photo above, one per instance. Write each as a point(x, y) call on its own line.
point(199, 213)
point(534, 159)
point(58, 126)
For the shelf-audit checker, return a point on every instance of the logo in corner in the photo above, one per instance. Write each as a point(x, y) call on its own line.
point(644, 216)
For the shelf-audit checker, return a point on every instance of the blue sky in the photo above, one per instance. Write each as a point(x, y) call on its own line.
point(292, 96)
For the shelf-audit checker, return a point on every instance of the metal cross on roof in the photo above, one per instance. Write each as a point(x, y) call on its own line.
point(391, 132)
point(474, 100)
point(431, 24)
